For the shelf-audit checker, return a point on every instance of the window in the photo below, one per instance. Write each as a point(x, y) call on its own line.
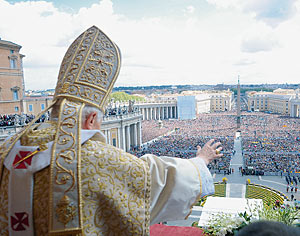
point(114, 142)
point(13, 64)
point(15, 95)
point(42, 106)
point(16, 108)
point(30, 108)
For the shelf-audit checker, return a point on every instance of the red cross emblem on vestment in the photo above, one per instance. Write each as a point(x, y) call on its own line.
point(19, 221)
point(19, 157)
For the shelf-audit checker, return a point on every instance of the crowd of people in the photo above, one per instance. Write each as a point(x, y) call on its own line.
point(180, 138)
point(152, 129)
point(19, 120)
point(271, 143)
point(120, 110)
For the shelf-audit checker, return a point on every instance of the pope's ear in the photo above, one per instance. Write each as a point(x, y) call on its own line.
point(89, 121)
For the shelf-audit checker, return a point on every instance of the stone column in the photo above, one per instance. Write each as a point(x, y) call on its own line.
point(148, 115)
point(108, 136)
point(123, 138)
point(159, 112)
point(139, 134)
point(135, 136)
point(142, 110)
point(166, 114)
point(151, 113)
point(119, 138)
point(145, 112)
point(105, 134)
point(155, 113)
point(127, 133)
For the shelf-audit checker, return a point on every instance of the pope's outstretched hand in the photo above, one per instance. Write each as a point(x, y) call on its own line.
point(210, 151)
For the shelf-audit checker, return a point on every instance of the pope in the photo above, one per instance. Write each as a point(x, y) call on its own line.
point(61, 178)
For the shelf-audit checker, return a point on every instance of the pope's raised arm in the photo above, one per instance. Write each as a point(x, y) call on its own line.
point(177, 184)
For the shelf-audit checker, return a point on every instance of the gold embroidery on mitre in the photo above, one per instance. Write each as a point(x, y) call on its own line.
point(65, 210)
point(89, 69)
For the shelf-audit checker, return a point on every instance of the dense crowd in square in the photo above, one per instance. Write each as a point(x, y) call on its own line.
point(180, 138)
point(271, 143)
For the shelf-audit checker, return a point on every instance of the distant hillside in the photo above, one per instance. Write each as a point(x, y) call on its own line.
point(122, 96)
point(244, 90)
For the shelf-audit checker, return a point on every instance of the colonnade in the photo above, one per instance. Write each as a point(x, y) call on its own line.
point(159, 112)
point(131, 136)
point(124, 133)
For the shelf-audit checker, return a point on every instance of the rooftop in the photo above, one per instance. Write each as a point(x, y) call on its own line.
point(9, 44)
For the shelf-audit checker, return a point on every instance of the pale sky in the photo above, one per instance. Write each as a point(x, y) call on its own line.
point(163, 41)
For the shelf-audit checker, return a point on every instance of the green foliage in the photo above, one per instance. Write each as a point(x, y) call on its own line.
point(122, 96)
point(195, 224)
point(244, 90)
point(285, 214)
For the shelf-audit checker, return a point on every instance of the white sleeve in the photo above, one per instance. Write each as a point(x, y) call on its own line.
point(176, 185)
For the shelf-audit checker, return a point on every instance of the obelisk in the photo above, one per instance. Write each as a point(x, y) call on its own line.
point(238, 105)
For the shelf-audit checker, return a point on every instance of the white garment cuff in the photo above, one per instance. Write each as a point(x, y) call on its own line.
point(206, 178)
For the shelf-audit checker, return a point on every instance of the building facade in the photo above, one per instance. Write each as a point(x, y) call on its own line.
point(279, 101)
point(212, 100)
point(203, 102)
point(221, 101)
point(11, 78)
point(166, 106)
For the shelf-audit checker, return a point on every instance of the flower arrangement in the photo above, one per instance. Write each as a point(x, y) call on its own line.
point(222, 224)
point(224, 180)
point(248, 181)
